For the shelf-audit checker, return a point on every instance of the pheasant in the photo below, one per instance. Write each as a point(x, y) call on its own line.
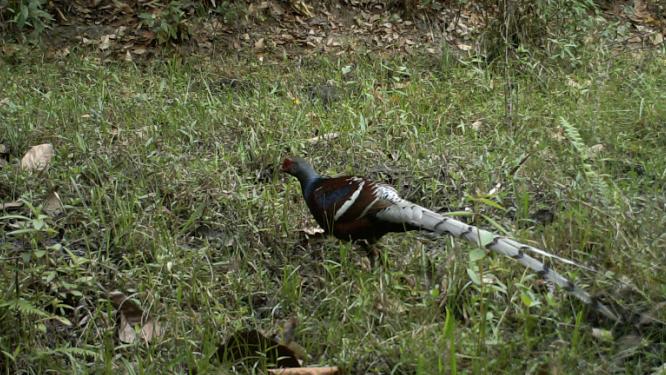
point(352, 208)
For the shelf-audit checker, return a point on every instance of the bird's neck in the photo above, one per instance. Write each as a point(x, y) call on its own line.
point(308, 181)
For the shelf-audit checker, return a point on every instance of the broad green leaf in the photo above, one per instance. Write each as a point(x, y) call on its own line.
point(473, 276)
point(526, 300)
point(477, 254)
point(38, 224)
point(485, 239)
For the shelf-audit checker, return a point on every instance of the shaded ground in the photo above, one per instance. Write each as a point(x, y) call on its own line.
point(133, 30)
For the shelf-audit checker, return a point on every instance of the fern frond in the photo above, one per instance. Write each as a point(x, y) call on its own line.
point(579, 145)
point(24, 307)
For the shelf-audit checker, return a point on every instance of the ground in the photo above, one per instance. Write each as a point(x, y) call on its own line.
point(168, 190)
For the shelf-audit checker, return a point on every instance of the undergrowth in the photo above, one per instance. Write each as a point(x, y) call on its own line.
point(168, 173)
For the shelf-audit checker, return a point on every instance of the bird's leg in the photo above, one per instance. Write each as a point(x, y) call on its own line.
point(370, 250)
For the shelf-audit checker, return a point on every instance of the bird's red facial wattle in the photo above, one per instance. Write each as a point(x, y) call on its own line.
point(286, 165)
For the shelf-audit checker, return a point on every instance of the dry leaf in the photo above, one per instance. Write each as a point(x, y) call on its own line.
point(302, 8)
point(288, 328)
point(249, 346)
point(312, 231)
point(559, 134)
point(389, 306)
point(602, 334)
point(10, 205)
point(277, 8)
point(305, 371)
point(650, 316)
point(131, 315)
point(259, 44)
point(325, 137)
point(3, 149)
point(39, 157)
point(477, 124)
point(597, 148)
point(53, 204)
point(105, 42)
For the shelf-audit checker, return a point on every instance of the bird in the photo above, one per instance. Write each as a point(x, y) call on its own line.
point(353, 208)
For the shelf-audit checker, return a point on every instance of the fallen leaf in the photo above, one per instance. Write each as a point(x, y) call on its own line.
point(53, 204)
point(259, 44)
point(597, 148)
point(477, 124)
point(10, 205)
point(39, 157)
point(131, 315)
point(559, 134)
point(277, 8)
point(3, 149)
point(650, 316)
point(303, 9)
point(251, 345)
point(602, 334)
point(105, 42)
point(325, 137)
point(305, 371)
point(288, 328)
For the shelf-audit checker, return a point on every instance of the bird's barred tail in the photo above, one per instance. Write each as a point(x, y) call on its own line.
point(412, 214)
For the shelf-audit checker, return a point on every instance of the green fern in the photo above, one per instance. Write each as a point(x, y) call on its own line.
point(24, 306)
point(593, 177)
point(70, 352)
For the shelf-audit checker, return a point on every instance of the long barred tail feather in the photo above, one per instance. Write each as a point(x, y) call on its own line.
point(412, 214)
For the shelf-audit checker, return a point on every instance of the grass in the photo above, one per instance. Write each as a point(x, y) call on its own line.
point(168, 173)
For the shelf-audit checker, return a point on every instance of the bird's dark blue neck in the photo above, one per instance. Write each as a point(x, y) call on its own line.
point(308, 185)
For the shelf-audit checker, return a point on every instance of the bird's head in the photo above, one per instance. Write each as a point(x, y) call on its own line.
point(299, 168)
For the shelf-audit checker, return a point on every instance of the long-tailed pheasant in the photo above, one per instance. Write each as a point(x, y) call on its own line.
point(353, 208)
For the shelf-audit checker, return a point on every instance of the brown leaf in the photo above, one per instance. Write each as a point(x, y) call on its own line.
point(597, 148)
point(150, 35)
point(259, 44)
point(277, 8)
point(251, 345)
point(325, 137)
point(105, 42)
point(288, 328)
point(131, 315)
point(650, 316)
point(53, 204)
point(3, 149)
point(305, 371)
point(126, 306)
point(559, 134)
point(39, 157)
